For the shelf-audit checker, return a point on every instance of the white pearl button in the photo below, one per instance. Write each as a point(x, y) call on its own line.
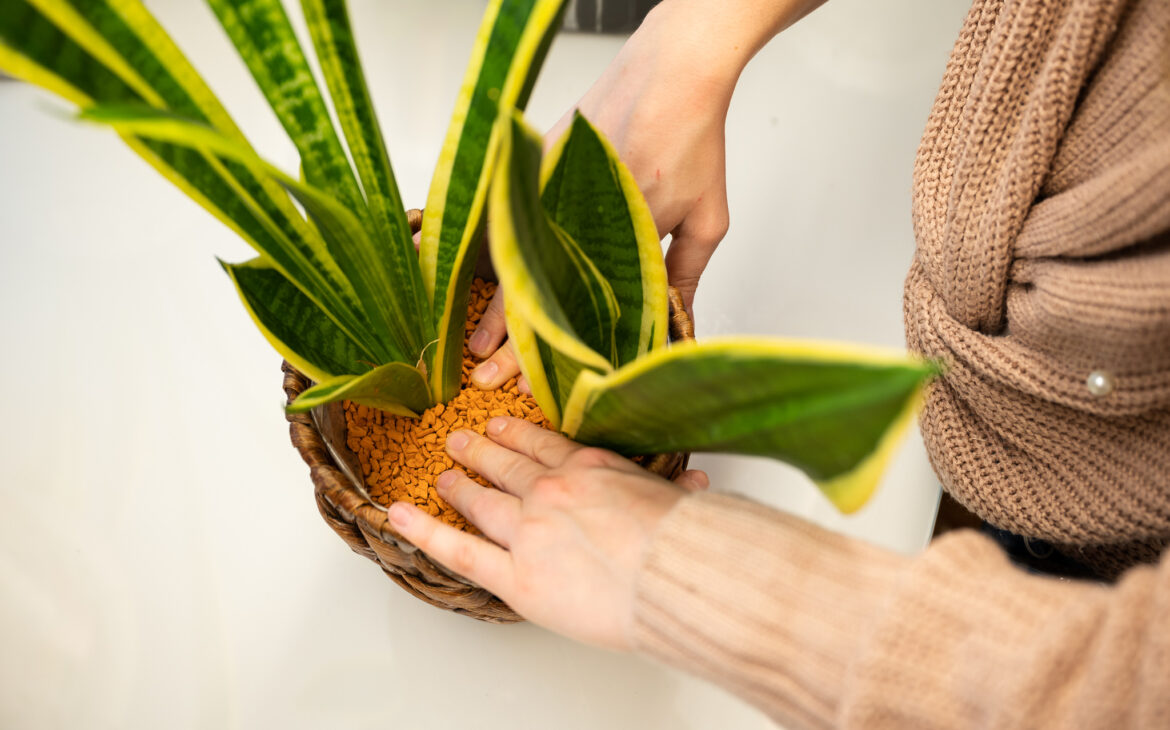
point(1100, 382)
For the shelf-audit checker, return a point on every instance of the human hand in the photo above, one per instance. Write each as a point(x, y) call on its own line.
point(500, 363)
point(663, 104)
point(676, 159)
point(569, 527)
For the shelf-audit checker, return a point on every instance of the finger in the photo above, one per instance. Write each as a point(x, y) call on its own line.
point(467, 555)
point(491, 330)
point(523, 386)
point(692, 244)
point(507, 469)
point(497, 369)
point(693, 480)
point(542, 446)
point(494, 512)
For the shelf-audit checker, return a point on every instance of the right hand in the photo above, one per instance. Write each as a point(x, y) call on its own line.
point(565, 534)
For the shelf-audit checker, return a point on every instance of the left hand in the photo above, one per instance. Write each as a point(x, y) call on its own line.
point(569, 527)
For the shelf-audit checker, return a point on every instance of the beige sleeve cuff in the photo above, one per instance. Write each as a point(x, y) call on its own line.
point(764, 604)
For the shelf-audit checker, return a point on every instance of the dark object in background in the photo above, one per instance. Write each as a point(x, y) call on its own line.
point(606, 16)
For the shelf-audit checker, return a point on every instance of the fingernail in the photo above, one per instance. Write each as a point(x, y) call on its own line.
point(457, 441)
point(479, 342)
point(400, 514)
point(702, 479)
point(446, 479)
point(497, 425)
point(485, 373)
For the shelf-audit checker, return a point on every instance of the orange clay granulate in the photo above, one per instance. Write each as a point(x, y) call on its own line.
point(402, 457)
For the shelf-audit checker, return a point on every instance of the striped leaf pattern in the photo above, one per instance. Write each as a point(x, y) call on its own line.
point(332, 34)
point(294, 325)
point(550, 374)
point(165, 79)
point(590, 195)
point(36, 49)
point(262, 34)
point(588, 297)
point(347, 240)
point(510, 46)
point(555, 310)
point(395, 387)
point(353, 260)
point(836, 413)
point(342, 296)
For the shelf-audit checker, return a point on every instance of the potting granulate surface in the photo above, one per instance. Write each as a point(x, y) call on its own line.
point(401, 457)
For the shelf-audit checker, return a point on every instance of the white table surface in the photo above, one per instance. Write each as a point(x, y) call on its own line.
point(162, 562)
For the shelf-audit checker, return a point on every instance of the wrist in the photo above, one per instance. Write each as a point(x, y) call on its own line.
point(719, 37)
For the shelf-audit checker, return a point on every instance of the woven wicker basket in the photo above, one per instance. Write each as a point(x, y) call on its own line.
point(320, 437)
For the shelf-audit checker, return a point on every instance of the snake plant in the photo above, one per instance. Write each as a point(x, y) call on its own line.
point(339, 290)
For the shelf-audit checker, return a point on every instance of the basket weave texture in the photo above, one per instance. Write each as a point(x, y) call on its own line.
point(319, 436)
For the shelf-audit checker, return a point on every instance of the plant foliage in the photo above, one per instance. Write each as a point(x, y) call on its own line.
point(340, 292)
point(834, 411)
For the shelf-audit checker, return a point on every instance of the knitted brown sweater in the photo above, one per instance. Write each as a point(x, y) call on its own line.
point(1042, 214)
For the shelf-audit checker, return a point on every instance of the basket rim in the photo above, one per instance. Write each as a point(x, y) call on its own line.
point(364, 525)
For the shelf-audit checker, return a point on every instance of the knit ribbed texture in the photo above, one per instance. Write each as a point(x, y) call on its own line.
point(762, 603)
point(971, 641)
point(1042, 211)
point(819, 630)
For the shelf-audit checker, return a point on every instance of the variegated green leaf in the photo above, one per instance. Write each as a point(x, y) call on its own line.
point(262, 34)
point(592, 196)
point(835, 412)
point(566, 278)
point(33, 49)
point(294, 325)
point(160, 66)
point(588, 297)
point(125, 37)
point(348, 243)
point(550, 375)
point(332, 36)
point(539, 272)
point(265, 40)
point(509, 49)
point(42, 49)
point(395, 387)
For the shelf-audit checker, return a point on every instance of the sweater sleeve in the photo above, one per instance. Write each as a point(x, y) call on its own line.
point(821, 630)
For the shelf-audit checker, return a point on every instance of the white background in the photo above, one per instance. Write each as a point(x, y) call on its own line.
point(162, 563)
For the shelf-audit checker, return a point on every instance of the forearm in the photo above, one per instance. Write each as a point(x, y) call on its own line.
point(720, 37)
point(821, 630)
point(757, 602)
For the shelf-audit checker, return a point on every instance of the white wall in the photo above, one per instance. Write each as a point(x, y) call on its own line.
point(162, 563)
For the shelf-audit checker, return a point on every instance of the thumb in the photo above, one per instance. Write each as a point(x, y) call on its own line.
point(492, 328)
point(692, 243)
